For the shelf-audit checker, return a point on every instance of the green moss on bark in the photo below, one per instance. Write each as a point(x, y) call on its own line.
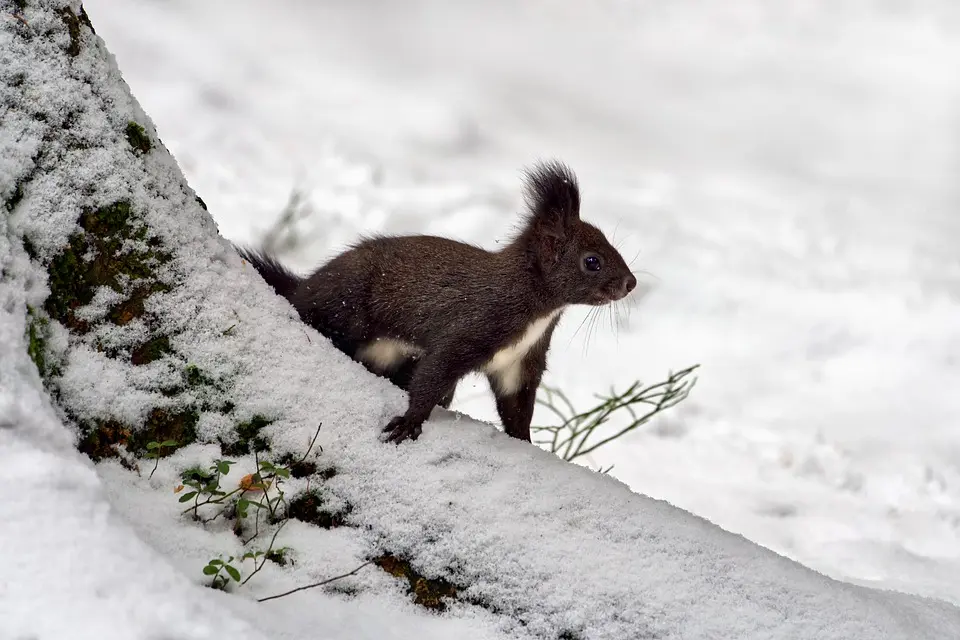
point(37, 334)
point(150, 351)
point(100, 439)
point(164, 424)
point(134, 306)
point(112, 250)
point(101, 255)
point(310, 507)
point(138, 138)
point(248, 437)
point(194, 377)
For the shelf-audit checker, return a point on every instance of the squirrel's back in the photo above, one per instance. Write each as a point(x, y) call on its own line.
point(415, 288)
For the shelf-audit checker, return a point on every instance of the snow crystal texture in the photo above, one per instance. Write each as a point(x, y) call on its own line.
point(540, 548)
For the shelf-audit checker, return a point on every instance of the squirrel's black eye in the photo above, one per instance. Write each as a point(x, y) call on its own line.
point(592, 263)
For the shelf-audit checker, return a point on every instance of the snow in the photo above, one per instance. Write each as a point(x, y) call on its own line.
point(546, 547)
point(784, 171)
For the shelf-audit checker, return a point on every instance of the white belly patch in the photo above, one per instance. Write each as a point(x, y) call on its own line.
point(505, 367)
point(385, 354)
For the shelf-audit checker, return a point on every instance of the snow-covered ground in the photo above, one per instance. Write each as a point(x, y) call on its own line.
point(786, 171)
point(546, 547)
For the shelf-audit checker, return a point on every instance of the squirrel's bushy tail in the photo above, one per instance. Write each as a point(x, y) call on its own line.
point(283, 281)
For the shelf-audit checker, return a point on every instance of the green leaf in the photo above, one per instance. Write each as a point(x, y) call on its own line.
point(188, 495)
point(248, 556)
point(168, 443)
point(153, 445)
point(283, 473)
point(210, 570)
point(233, 572)
point(216, 561)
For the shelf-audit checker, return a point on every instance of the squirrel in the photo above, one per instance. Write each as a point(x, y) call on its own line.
point(424, 311)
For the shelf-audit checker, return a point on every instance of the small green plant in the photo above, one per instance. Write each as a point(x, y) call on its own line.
point(256, 492)
point(268, 476)
point(579, 433)
point(260, 558)
point(278, 556)
point(205, 485)
point(221, 572)
point(155, 450)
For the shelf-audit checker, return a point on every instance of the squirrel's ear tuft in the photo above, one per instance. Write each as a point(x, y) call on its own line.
point(552, 194)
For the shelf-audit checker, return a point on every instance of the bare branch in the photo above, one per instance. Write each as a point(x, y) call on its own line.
point(316, 584)
point(574, 437)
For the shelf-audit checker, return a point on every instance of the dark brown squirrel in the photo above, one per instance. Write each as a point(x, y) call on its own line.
point(424, 311)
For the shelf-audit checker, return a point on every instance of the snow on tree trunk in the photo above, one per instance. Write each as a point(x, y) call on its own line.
point(146, 326)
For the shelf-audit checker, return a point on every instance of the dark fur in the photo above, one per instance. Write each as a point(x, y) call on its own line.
point(459, 303)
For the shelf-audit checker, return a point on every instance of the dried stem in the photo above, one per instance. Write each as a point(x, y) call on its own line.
point(316, 584)
point(575, 436)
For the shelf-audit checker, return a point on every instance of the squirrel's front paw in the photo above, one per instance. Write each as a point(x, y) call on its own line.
point(401, 429)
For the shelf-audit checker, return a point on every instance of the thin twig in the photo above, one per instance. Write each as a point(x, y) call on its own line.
point(156, 464)
point(571, 439)
point(19, 17)
point(312, 443)
point(256, 566)
point(217, 500)
point(256, 522)
point(316, 584)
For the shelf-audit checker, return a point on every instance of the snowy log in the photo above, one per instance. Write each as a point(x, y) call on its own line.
point(126, 319)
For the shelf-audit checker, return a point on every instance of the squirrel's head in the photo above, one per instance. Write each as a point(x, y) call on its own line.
point(577, 262)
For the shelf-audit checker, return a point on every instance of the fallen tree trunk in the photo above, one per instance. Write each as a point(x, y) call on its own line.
point(146, 328)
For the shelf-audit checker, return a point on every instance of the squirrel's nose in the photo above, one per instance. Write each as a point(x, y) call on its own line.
point(629, 283)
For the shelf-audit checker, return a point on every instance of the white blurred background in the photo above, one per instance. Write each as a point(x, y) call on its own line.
point(785, 171)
